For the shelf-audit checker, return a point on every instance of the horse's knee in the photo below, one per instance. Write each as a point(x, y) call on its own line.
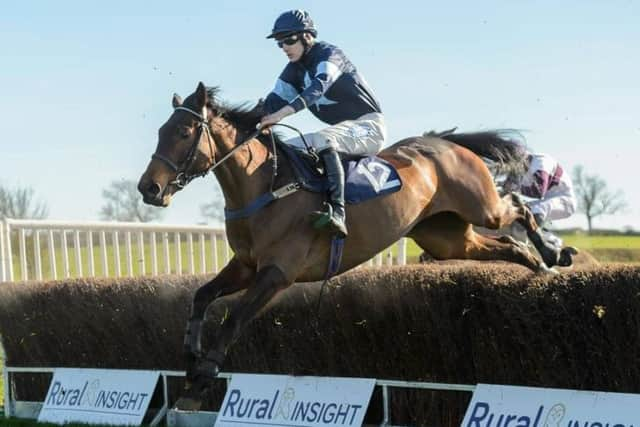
point(494, 220)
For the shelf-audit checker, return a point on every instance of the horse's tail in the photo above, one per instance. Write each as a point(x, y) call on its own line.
point(505, 148)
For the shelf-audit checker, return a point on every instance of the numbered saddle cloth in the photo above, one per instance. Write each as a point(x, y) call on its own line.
point(369, 177)
point(366, 177)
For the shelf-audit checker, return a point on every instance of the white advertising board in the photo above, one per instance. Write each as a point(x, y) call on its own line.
point(98, 396)
point(510, 406)
point(280, 400)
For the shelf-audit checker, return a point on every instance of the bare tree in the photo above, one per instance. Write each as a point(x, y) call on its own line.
point(215, 209)
point(594, 198)
point(19, 203)
point(124, 203)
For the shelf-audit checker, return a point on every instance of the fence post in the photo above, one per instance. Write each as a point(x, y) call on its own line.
point(52, 255)
point(36, 253)
point(7, 250)
point(402, 251)
point(22, 237)
point(3, 277)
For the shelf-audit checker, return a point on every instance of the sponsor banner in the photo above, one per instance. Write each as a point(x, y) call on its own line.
point(281, 400)
point(503, 406)
point(98, 396)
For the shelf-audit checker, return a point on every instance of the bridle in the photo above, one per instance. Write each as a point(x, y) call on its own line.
point(182, 177)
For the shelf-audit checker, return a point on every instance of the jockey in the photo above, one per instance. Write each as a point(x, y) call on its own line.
point(549, 189)
point(321, 78)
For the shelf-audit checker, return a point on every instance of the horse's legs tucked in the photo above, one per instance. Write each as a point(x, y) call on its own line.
point(447, 236)
point(549, 253)
point(234, 277)
point(495, 213)
point(269, 281)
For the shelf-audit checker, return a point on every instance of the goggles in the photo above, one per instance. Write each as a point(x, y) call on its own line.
point(289, 41)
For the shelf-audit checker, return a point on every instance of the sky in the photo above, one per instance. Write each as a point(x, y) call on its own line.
point(85, 85)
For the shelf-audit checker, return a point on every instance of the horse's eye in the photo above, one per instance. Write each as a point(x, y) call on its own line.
point(184, 131)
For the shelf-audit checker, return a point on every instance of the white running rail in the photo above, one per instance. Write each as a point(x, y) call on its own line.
point(50, 250)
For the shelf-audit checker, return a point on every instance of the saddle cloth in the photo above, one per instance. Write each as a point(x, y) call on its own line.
point(366, 177)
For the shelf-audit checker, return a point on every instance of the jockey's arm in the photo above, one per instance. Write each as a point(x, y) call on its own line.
point(273, 118)
point(278, 103)
point(327, 71)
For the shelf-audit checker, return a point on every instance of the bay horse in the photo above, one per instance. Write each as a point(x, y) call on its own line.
point(446, 190)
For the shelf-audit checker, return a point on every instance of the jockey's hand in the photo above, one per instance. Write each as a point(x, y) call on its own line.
point(271, 119)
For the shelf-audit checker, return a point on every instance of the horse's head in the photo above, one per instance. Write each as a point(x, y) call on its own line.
point(186, 149)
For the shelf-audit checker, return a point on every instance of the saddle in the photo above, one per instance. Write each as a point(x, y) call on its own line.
point(366, 177)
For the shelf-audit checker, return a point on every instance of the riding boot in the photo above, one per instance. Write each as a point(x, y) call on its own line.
point(334, 216)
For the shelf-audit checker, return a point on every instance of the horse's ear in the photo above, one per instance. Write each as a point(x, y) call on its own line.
point(201, 95)
point(176, 101)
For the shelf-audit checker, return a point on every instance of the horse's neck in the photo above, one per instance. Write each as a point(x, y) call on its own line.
point(245, 175)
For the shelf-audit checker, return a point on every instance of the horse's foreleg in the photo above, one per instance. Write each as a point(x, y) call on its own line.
point(269, 281)
point(234, 277)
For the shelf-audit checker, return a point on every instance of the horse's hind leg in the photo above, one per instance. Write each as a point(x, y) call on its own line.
point(487, 209)
point(447, 236)
point(514, 209)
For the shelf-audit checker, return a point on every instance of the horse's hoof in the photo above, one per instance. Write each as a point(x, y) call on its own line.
point(425, 257)
point(207, 369)
point(189, 404)
point(565, 259)
point(191, 399)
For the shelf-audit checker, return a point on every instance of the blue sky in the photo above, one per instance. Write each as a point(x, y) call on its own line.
point(85, 85)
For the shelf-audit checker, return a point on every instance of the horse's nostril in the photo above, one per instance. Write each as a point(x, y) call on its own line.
point(153, 190)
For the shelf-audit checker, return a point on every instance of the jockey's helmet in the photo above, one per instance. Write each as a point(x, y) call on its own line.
point(291, 22)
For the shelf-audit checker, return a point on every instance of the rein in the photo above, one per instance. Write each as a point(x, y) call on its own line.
point(182, 178)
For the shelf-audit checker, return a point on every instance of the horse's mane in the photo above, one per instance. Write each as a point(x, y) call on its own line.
point(242, 116)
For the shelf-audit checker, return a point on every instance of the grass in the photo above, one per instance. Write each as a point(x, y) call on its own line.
point(587, 242)
point(604, 248)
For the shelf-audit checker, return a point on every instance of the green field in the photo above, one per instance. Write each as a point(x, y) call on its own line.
point(602, 242)
point(111, 257)
point(616, 248)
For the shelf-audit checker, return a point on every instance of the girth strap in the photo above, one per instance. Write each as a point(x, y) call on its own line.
point(261, 201)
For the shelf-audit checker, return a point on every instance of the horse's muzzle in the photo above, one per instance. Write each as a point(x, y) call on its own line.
point(152, 193)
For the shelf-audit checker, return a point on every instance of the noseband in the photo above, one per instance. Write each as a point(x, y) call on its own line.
point(182, 177)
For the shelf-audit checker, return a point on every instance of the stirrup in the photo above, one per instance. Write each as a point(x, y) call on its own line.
point(321, 219)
